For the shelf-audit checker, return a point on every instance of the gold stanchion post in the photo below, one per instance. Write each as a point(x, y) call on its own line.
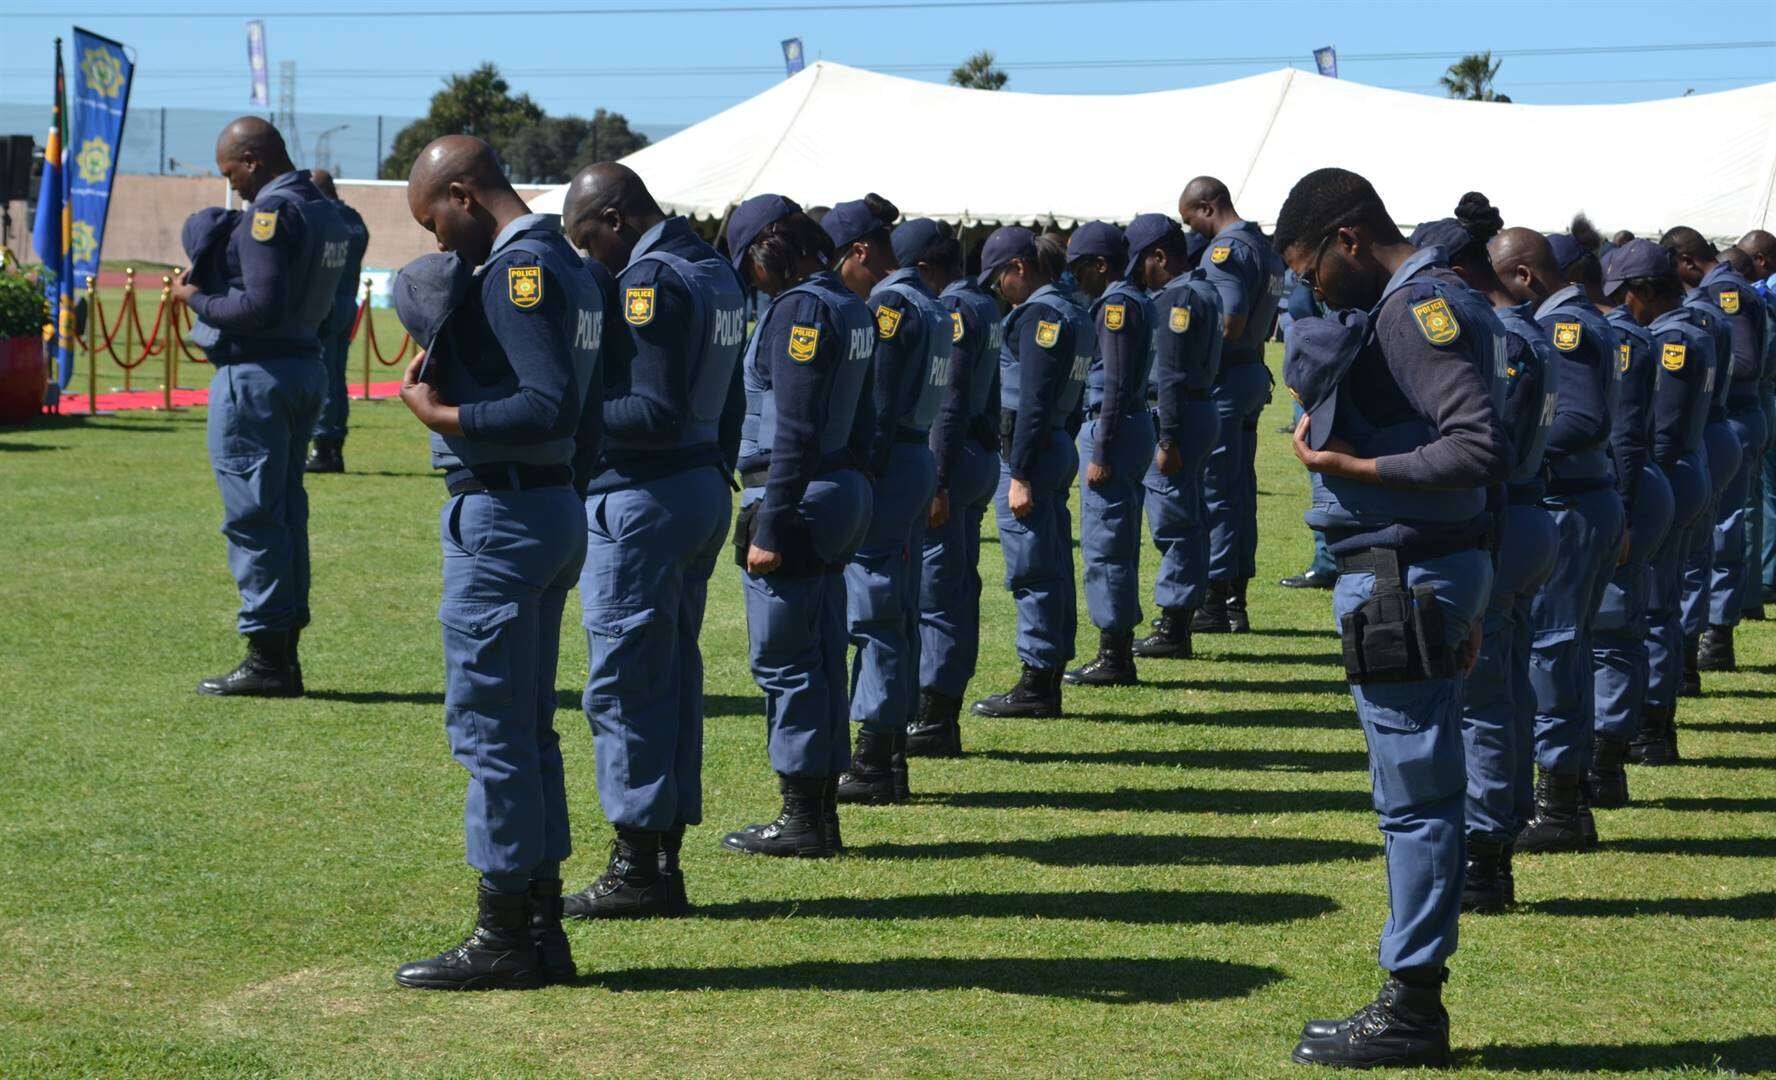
point(92, 349)
point(129, 329)
point(364, 332)
point(172, 370)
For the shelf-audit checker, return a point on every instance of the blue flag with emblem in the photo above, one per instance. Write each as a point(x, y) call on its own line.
point(49, 237)
point(95, 132)
point(792, 55)
point(1326, 60)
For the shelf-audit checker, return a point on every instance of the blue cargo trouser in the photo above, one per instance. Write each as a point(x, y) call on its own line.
point(1763, 552)
point(509, 559)
point(1038, 550)
point(261, 413)
point(1416, 767)
point(1730, 574)
point(1620, 663)
point(882, 593)
point(1589, 525)
point(950, 581)
point(649, 552)
point(1690, 487)
point(1230, 474)
point(1175, 513)
point(1110, 524)
point(1724, 456)
point(336, 408)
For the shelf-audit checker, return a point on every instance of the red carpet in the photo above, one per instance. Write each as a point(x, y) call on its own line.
point(75, 404)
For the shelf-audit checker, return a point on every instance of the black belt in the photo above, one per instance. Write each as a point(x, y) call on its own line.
point(909, 435)
point(757, 477)
point(507, 476)
point(1388, 563)
point(1093, 414)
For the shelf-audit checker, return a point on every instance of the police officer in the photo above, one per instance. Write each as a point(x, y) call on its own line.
point(1702, 270)
point(328, 455)
point(965, 446)
point(1587, 510)
point(1641, 275)
point(1042, 369)
point(284, 260)
point(1186, 360)
point(1117, 443)
point(1498, 706)
point(1401, 428)
point(1249, 277)
point(804, 510)
point(505, 388)
point(1322, 569)
point(657, 510)
point(1760, 247)
point(913, 333)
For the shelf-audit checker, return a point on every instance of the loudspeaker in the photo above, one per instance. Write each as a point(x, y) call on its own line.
point(16, 152)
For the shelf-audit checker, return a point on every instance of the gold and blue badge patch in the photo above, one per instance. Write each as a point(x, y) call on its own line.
point(1671, 358)
point(1047, 333)
point(803, 341)
point(1114, 316)
point(1729, 301)
point(1180, 320)
point(1622, 358)
point(1566, 336)
point(1435, 321)
point(887, 322)
point(638, 306)
point(524, 286)
point(1219, 253)
point(956, 329)
point(265, 225)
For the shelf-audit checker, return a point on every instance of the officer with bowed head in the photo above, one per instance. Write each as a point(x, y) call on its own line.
point(281, 268)
point(1401, 428)
point(1759, 247)
point(1048, 345)
point(1186, 360)
point(657, 510)
point(965, 446)
point(328, 455)
point(804, 510)
point(508, 316)
point(1116, 441)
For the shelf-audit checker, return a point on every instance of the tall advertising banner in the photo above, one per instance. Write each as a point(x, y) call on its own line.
point(95, 131)
point(50, 237)
point(256, 63)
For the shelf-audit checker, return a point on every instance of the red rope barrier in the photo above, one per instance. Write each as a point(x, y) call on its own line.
point(406, 340)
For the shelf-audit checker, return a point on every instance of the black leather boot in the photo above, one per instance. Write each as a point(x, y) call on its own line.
point(1556, 825)
point(554, 953)
point(799, 831)
point(870, 779)
point(1754, 612)
point(897, 769)
point(1211, 618)
point(631, 887)
point(671, 843)
point(1508, 878)
point(1237, 620)
point(1170, 639)
point(1311, 579)
point(1652, 745)
point(1485, 890)
point(1691, 686)
point(296, 659)
point(326, 456)
point(829, 814)
point(1037, 694)
point(1404, 1027)
point(937, 730)
point(497, 955)
point(1714, 652)
point(266, 671)
point(1587, 820)
point(1113, 666)
point(1609, 780)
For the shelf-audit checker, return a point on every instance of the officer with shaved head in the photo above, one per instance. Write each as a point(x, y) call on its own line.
point(284, 259)
point(511, 323)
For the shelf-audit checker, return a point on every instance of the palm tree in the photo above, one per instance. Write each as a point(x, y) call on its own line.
point(1470, 78)
point(978, 73)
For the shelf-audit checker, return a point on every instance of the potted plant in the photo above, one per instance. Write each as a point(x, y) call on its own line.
point(23, 374)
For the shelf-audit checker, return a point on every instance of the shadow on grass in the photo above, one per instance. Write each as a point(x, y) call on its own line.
point(149, 422)
point(1312, 761)
point(1746, 727)
point(1727, 761)
point(1746, 1054)
point(1754, 907)
point(1133, 849)
point(1233, 718)
point(1253, 686)
point(1134, 906)
point(1166, 800)
point(1317, 659)
point(1720, 804)
point(1728, 847)
point(1106, 980)
point(565, 699)
point(7, 447)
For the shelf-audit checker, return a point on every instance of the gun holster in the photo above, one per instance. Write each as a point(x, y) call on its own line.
point(1398, 634)
point(796, 560)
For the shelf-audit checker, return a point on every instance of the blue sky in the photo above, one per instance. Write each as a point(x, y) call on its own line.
point(654, 66)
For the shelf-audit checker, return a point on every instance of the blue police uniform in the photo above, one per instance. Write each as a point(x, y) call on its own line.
point(1187, 362)
point(330, 427)
point(1300, 304)
point(516, 348)
point(1406, 384)
point(656, 513)
point(1249, 276)
point(1746, 323)
point(1763, 548)
point(1724, 452)
point(283, 264)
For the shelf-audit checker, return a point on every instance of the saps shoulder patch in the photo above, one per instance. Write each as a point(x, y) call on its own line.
point(1047, 333)
point(1115, 315)
point(887, 322)
point(1435, 321)
point(1622, 354)
point(956, 327)
point(803, 341)
point(265, 225)
point(1671, 357)
point(524, 285)
point(638, 306)
point(1219, 253)
point(1729, 301)
point(1179, 320)
point(1566, 336)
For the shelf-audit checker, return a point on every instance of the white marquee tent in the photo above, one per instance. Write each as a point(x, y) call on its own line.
point(834, 132)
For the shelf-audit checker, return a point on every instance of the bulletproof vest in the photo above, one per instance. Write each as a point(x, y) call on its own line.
point(967, 296)
point(314, 268)
point(1713, 322)
point(1270, 290)
point(1140, 353)
point(716, 334)
point(1185, 313)
point(583, 327)
point(846, 316)
point(1084, 342)
point(918, 400)
point(1700, 348)
point(1532, 393)
point(345, 294)
point(1591, 462)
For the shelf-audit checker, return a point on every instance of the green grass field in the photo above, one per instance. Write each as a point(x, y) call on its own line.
point(1166, 883)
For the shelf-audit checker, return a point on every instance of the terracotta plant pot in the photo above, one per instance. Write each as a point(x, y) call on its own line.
point(23, 378)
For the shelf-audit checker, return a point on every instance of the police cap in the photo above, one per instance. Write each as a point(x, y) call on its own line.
point(1095, 239)
point(752, 217)
point(1316, 354)
point(915, 240)
point(1007, 242)
point(1144, 232)
point(1636, 259)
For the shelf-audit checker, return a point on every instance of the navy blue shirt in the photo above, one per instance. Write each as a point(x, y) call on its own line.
point(1117, 383)
point(1187, 350)
point(1582, 417)
point(1684, 386)
point(974, 341)
point(1746, 316)
point(1051, 362)
point(1631, 420)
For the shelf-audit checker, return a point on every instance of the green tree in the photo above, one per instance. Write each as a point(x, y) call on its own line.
point(979, 73)
point(1470, 78)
